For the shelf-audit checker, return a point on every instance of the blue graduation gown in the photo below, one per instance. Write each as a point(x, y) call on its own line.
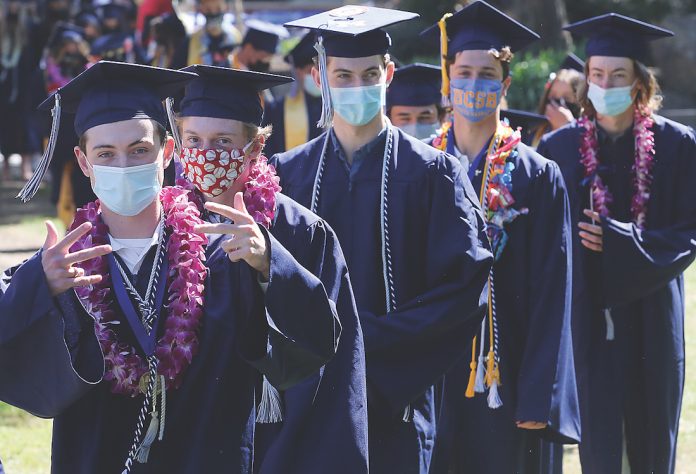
point(51, 365)
point(333, 400)
point(631, 387)
point(440, 262)
point(532, 294)
point(275, 115)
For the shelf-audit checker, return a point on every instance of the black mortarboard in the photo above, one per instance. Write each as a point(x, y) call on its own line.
point(522, 118)
point(573, 62)
point(263, 35)
point(112, 10)
point(416, 85)
point(617, 35)
point(85, 18)
point(227, 93)
point(351, 31)
point(303, 53)
point(482, 26)
point(108, 92)
point(63, 31)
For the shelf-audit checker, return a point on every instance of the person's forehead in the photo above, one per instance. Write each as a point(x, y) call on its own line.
point(355, 63)
point(212, 125)
point(475, 58)
point(609, 62)
point(123, 131)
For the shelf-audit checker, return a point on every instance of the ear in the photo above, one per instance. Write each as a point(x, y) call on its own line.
point(168, 151)
point(82, 161)
point(315, 76)
point(390, 72)
point(506, 85)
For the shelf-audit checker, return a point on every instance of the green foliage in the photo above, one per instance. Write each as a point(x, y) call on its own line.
point(530, 72)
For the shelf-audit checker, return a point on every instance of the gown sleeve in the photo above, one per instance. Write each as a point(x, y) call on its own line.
point(303, 323)
point(49, 353)
point(637, 262)
point(410, 349)
point(546, 390)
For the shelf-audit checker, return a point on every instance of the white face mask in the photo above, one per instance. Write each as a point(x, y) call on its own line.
point(359, 105)
point(613, 101)
point(421, 131)
point(127, 191)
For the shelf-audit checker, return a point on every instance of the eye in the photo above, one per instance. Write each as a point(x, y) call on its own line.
point(343, 75)
point(141, 151)
point(105, 155)
point(192, 140)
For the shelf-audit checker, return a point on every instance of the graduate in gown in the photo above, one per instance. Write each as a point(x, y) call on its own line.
point(294, 117)
point(410, 229)
point(632, 240)
point(219, 117)
point(413, 100)
point(517, 385)
point(258, 46)
point(143, 339)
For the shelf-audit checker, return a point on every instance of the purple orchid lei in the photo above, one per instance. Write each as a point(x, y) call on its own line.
point(187, 272)
point(642, 167)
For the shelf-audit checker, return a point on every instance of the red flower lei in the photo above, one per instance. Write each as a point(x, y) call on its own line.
point(642, 166)
point(187, 273)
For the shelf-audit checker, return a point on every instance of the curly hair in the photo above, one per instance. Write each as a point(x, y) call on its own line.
point(504, 55)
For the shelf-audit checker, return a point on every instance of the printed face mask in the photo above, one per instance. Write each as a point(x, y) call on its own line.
point(475, 99)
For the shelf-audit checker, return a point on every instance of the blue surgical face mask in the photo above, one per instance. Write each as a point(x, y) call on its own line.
point(475, 99)
point(612, 102)
point(359, 105)
point(127, 191)
point(310, 87)
point(421, 131)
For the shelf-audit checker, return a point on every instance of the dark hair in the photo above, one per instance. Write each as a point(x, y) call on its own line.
point(160, 131)
point(504, 55)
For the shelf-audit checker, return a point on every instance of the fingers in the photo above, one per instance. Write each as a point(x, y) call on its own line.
point(51, 235)
point(87, 254)
point(86, 280)
point(592, 215)
point(591, 245)
point(74, 236)
point(591, 228)
point(239, 203)
point(235, 215)
point(531, 425)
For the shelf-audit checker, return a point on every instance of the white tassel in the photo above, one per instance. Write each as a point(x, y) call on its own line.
point(271, 406)
point(494, 400)
point(150, 437)
point(610, 324)
point(326, 118)
point(408, 414)
point(479, 384)
point(32, 186)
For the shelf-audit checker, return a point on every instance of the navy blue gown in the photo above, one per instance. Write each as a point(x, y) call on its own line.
point(275, 116)
point(324, 427)
point(631, 385)
point(440, 262)
point(532, 279)
point(51, 363)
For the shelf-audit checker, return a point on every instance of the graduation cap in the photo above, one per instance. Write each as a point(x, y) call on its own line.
point(263, 35)
point(478, 26)
point(573, 62)
point(226, 93)
point(522, 118)
point(63, 32)
point(107, 92)
point(303, 53)
point(415, 85)
point(351, 31)
point(617, 35)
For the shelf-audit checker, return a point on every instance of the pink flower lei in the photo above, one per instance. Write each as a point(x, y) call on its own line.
point(187, 273)
point(642, 166)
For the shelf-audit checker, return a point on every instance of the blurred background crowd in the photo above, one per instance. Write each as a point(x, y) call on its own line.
point(45, 43)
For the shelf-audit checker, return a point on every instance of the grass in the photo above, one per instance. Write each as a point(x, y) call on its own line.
point(25, 441)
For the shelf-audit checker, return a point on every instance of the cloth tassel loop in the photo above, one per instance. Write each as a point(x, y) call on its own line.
point(32, 186)
point(326, 118)
point(271, 406)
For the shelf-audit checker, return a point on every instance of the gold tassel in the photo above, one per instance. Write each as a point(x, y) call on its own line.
point(445, 90)
point(472, 374)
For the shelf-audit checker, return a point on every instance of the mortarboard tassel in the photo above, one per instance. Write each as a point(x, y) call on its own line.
point(326, 118)
point(169, 105)
point(610, 324)
point(445, 90)
point(470, 392)
point(271, 406)
point(32, 186)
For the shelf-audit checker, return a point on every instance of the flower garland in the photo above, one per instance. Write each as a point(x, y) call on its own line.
point(642, 167)
point(187, 273)
point(440, 140)
point(259, 191)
